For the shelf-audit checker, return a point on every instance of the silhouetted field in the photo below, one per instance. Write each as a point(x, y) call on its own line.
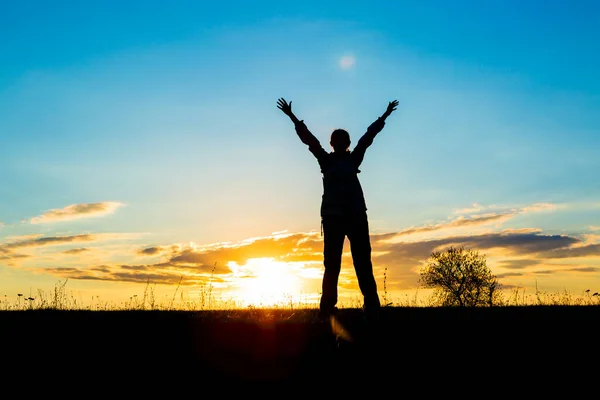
point(293, 347)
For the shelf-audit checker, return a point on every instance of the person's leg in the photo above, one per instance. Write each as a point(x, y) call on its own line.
point(333, 246)
point(360, 246)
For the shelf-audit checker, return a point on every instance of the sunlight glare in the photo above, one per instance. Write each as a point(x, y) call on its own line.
point(269, 283)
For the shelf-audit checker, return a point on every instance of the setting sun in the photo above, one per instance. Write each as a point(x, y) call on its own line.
point(266, 282)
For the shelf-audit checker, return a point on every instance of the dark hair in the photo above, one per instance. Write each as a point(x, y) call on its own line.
point(340, 140)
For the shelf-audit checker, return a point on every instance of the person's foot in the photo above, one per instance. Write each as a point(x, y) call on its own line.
point(326, 314)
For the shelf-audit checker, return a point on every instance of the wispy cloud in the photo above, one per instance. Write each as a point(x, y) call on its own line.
point(150, 251)
point(8, 253)
point(48, 241)
point(32, 243)
point(17, 242)
point(475, 208)
point(76, 251)
point(77, 211)
point(542, 207)
point(12, 256)
point(23, 237)
point(476, 219)
point(458, 222)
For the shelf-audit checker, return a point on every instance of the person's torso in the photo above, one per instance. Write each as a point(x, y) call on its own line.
point(342, 192)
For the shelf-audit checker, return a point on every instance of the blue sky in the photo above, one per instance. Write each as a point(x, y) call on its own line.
point(163, 115)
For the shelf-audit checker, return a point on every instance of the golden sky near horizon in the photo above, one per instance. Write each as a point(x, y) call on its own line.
point(286, 267)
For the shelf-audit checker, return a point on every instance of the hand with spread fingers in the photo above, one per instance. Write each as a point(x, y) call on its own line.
point(390, 108)
point(284, 106)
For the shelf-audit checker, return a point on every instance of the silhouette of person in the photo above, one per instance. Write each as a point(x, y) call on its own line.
point(343, 209)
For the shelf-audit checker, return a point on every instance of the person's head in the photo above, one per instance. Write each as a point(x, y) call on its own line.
point(340, 140)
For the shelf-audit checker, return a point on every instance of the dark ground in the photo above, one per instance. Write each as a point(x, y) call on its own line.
point(410, 347)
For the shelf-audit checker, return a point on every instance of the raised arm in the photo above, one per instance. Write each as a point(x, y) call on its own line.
point(367, 139)
point(303, 133)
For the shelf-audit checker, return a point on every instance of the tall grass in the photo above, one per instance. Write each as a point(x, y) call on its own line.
point(59, 299)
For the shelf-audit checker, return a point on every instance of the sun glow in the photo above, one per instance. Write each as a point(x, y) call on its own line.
point(266, 282)
point(347, 62)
